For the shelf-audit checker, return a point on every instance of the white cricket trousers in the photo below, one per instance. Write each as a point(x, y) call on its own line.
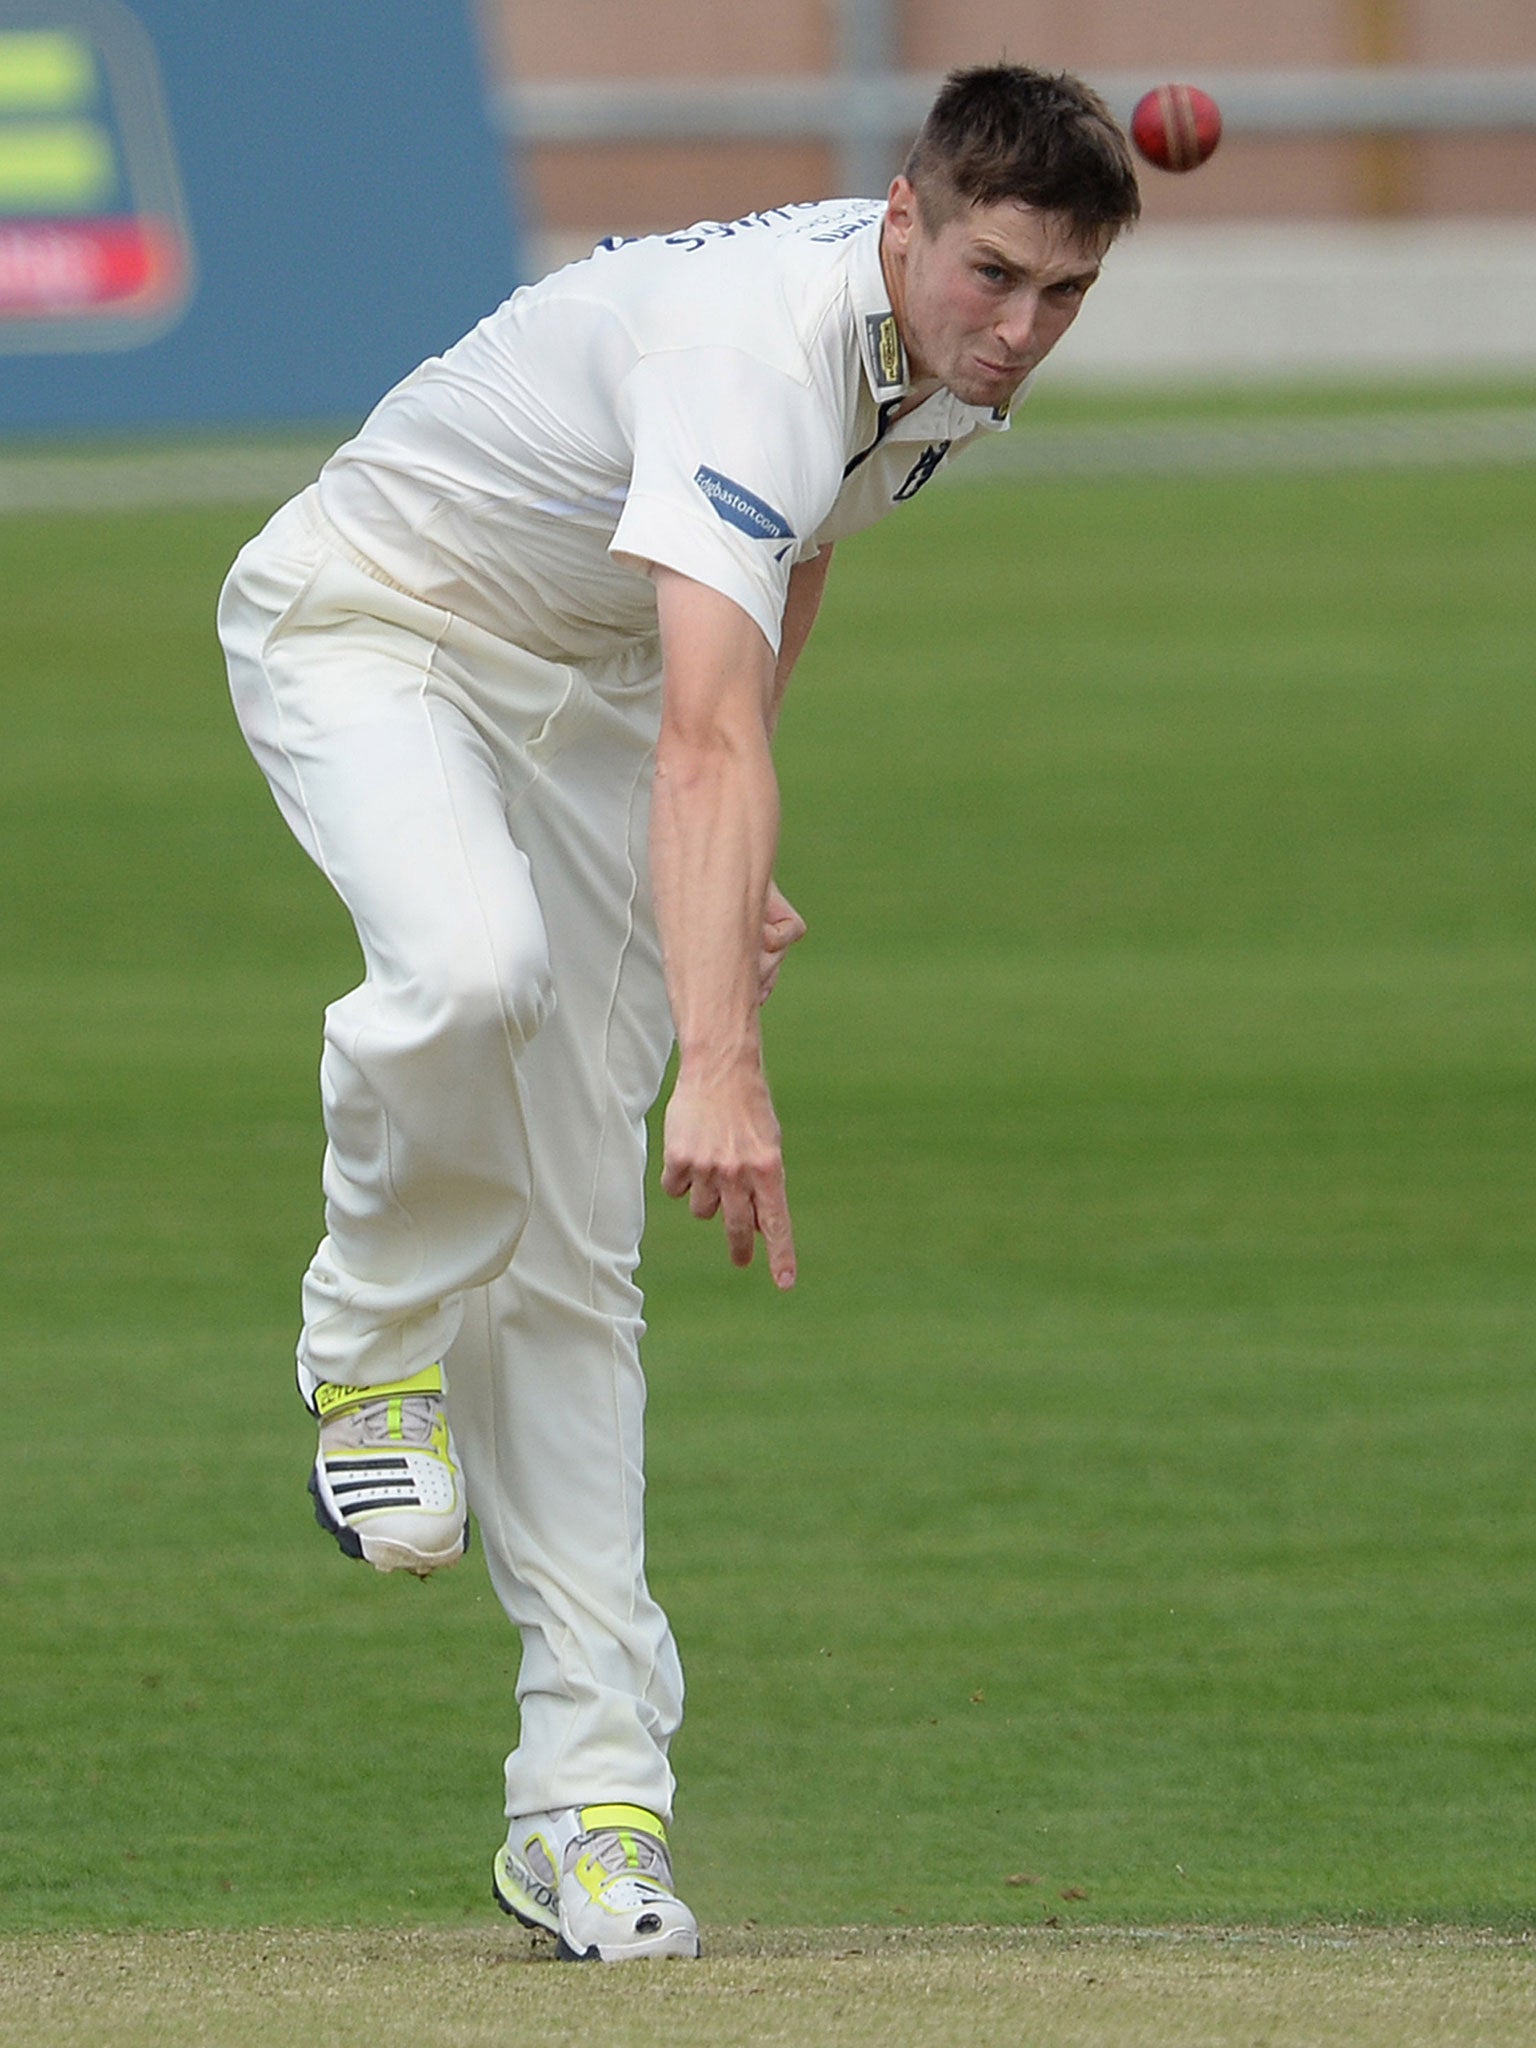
point(482, 814)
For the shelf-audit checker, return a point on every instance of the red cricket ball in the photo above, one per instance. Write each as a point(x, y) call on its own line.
point(1176, 126)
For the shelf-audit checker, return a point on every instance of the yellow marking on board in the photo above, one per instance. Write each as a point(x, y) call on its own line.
point(55, 166)
point(43, 71)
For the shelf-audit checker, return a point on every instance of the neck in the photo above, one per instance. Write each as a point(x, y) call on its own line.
point(893, 270)
point(918, 395)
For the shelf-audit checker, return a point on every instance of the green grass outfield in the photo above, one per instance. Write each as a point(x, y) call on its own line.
point(1129, 1520)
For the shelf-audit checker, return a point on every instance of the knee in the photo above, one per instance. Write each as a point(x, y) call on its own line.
point(500, 997)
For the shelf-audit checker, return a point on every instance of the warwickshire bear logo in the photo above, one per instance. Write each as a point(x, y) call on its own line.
point(921, 470)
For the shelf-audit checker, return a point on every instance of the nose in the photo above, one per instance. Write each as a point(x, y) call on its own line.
point(1016, 328)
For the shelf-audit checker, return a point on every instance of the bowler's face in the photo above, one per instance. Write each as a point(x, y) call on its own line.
point(988, 295)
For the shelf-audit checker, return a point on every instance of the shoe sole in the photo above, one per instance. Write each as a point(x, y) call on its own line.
point(676, 1947)
point(384, 1557)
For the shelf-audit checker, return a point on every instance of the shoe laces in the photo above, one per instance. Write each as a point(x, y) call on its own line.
point(627, 1852)
point(393, 1419)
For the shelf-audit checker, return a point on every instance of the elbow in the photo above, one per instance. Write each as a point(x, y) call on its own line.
point(702, 748)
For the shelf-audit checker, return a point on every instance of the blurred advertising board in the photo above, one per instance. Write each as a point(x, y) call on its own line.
point(220, 213)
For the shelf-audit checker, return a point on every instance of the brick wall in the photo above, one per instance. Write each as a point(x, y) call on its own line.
point(573, 192)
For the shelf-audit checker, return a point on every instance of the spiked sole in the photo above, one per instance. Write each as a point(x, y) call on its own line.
point(671, 1947)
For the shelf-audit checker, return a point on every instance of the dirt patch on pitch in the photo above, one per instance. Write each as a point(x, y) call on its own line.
point(906, 1988)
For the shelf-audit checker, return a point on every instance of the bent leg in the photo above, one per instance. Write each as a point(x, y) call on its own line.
point(398, 798)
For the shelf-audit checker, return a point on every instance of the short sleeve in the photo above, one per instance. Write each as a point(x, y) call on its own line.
point(736, 466)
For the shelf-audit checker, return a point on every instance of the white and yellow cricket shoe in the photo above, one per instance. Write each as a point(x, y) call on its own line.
point(525, 1877)
point(612, 1901)
point(386, 1480)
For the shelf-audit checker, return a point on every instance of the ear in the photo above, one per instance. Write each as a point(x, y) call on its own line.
point(900, 213)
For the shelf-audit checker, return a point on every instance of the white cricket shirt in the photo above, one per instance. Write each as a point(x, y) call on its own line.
point(718, 401)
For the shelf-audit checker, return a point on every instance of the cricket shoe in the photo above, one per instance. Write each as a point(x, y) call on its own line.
point(386, 1480)
point(525, 1877)
point(617, 1904)
point(599, 1878)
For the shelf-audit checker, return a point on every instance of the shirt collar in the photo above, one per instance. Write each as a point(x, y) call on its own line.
point(881, 350)
point(880, 346)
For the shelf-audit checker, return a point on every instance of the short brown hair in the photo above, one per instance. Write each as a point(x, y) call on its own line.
point(1002, 131)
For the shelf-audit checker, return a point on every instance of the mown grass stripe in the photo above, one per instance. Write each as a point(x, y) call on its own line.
point(233, 474)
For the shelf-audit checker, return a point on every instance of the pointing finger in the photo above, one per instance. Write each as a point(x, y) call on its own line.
point(778, 1236)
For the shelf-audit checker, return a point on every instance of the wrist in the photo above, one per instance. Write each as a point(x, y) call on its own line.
point(706, 1062)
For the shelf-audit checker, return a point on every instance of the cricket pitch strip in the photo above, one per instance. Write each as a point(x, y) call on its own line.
point(845, 1987)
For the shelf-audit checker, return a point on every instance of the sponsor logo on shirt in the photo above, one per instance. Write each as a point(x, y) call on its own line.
point(741, 508)
point(690, 240)
point(885, 349)
point(849, 227)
